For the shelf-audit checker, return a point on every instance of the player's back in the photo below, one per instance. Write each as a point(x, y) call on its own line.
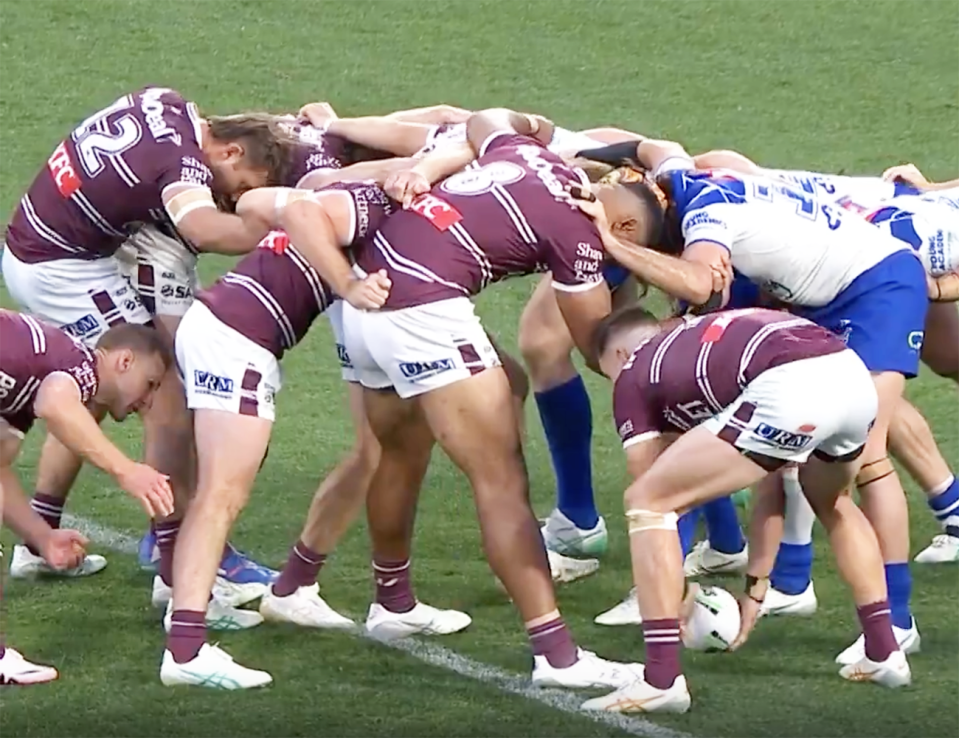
point(858, 194)
point(797, 247)
point(508, 215)
point(928, 223)
point(107, 175)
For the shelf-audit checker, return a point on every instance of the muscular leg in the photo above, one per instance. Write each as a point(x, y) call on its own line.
point(940, 348)
point(518, 385)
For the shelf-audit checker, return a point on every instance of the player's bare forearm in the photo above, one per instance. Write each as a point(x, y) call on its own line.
point(223, 233)
point(944, 288)
point(445, 161)
point(686, 280)
point(652, 153)
point(17, 515)
point(485, 123)
point(73, 425)
point(314, 234)
point(432, 115)
point(765, 531)
point(384, 134)
point(378, 171)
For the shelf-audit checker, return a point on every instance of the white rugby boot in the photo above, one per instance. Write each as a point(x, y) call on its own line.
point(893, 672)
point(703, 560)
point(220, 617)
point(908, 639)
point(565, 569)
point(224, 591)
point(212, 667)
point(14, 669)
point(562, 536)
point(625, 613)
point(944, 549)
point(303, 607)
point(589, 672)
point(803, 604)
point(27, 565)
point(641, 696)
point(423, 619)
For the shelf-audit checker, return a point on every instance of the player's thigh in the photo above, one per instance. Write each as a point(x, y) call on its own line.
point(542, 331)
point(223, 370)
point(161, 269)
point(824, 480)
point(11, 439)
point(940, 347)
point(230, 448)
point(84, 298)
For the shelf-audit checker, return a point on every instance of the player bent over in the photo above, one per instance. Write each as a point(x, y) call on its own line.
point(748, 391)
point(47, 374)
point(429, 371)
point(228, 347)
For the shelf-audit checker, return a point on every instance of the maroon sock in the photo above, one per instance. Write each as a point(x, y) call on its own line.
point(876, 623)
point(662, 652)
point(187, 634)
point(49, 508)
point(166, 534)
point(301, 569)
point(553, 640)
point(393, 588)
point(3, 651)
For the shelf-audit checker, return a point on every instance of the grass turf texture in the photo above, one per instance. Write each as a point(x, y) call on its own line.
point(852, 86)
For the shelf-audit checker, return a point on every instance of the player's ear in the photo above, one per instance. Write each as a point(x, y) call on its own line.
point(124, 360)
point(234, 152)
point(628, 229)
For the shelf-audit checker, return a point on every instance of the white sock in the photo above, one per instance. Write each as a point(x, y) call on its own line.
point(799, 516)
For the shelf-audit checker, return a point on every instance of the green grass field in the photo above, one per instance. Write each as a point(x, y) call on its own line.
point(829, 85)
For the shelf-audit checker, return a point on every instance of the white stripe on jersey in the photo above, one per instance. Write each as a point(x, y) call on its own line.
point(410, 267)
point(36, 335)
point(656, 365)
point(268, 301)
point(749, 351)
point(29, 387)
point(467, 242)
point(43, 230)
point(514, 212)
point(313, 279)
point(91, 212)
point(702, 376)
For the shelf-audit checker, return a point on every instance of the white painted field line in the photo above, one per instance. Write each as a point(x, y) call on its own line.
point(433, 654)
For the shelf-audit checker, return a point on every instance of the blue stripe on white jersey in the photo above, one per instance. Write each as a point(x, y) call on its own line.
point(929, 225)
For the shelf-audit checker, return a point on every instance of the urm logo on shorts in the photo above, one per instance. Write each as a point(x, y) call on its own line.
point(210, 384)
point(417, 370)
point(85, 326)
point(784, 439)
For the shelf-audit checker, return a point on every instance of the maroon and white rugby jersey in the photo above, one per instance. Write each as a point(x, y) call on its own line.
point(680, 378)
point(508, 215)
point(273, 295)
point(315, 152)
point(108, 176)
point(29, 352)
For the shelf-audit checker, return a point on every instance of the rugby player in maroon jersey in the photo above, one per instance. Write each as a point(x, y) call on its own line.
point(147, 158)
point(228, 348)
point(743, 392)
point(47, 374)
point(510, 215)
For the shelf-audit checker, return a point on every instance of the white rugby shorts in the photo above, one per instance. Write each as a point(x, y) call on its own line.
point(222, 369)
point(418, 349)
point(84, 298)
point(825, 404)
point(162, 270)
point(335, 315)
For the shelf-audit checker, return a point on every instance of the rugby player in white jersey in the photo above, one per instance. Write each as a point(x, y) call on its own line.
point(149, 158)
point(856, 280)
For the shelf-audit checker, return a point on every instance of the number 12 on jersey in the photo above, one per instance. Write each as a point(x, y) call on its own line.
point(806, 203)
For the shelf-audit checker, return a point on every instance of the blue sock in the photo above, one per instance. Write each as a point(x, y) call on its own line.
point(792, 571)
point(722, 526)
point(899, 585)
point(687, 529)
point(945, 505)
point(568, 423)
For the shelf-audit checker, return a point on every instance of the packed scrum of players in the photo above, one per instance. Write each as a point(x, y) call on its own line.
point(803, 301)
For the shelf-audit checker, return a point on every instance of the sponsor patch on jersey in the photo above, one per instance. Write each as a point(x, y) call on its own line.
point(437, 211)
point(210, 384)
point(176, 292)
point(625, 430)
point(915, 340)
point(62, 170)
point(417, 370)
point(781, 438)
point(479, 181)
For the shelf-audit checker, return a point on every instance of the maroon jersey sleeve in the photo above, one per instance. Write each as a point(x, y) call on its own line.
point(371, 206)
point(635, 409)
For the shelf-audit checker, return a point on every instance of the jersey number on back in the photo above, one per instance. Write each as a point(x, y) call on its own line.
point(806, 204)
point(97, 138)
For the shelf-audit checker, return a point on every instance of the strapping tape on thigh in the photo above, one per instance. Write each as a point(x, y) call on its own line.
point(874, 471)
point(642, 520)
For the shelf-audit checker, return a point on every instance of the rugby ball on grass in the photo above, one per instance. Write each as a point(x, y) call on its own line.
point(714, 622)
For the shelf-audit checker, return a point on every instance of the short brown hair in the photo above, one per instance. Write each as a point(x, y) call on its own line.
point(140, 339)
point(627, 318)
point(267, 144)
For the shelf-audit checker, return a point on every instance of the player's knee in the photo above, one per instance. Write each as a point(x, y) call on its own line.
point(640, 520)
point(518, 380)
